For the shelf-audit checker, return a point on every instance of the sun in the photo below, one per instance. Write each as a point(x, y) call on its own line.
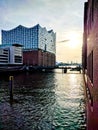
point(74, 39)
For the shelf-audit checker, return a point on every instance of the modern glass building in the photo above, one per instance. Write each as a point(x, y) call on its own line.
point(31, 38)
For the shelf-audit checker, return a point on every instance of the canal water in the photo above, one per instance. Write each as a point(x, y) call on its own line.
point(43, 101)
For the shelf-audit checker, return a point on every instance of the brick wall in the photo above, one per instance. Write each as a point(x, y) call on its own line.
point(39, 58)
point(91, 36)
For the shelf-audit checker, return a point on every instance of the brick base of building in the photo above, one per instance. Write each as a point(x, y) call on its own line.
point(39, 58)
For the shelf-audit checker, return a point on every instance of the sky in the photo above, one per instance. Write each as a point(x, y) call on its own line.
point(65, 17)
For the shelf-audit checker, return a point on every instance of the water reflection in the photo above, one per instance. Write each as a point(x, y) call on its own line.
point(43, 101)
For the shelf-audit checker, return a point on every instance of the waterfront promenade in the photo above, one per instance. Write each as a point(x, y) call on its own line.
point(43, 101)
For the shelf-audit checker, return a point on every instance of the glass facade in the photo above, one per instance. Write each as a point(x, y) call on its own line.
point(31, 38)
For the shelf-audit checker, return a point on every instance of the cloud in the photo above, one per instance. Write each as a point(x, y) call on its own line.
point(29, 11)
point(63, 41)
point(60, 15)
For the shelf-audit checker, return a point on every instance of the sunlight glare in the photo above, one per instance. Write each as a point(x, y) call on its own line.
point(74, 40)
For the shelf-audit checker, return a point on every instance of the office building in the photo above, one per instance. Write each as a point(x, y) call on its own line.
point(4, 56)
point(11, 54)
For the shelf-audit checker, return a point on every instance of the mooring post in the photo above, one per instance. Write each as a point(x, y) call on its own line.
point(11, 87)
point(65, 70)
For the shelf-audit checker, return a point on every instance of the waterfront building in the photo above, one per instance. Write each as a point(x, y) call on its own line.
point(90, 61)
point(39, 58)
point(84, 47)
point(37, 43)
point(4, 56)
point(11, 54)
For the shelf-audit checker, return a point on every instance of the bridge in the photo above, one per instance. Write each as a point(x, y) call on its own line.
point(47, 69)
point(38, 68)
point(71, 68)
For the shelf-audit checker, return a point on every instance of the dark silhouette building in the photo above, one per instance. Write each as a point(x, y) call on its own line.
point(90, 61)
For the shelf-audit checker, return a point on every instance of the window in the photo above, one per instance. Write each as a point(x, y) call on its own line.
point(90, 66)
